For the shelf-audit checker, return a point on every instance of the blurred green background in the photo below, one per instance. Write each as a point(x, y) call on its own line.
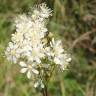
point(74, 21)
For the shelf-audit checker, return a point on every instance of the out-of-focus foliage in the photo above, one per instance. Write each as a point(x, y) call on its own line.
point(75, 22)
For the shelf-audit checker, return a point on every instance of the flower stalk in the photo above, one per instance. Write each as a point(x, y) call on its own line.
point(45, 91)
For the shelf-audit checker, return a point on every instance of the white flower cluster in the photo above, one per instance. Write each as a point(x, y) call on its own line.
point(28, 49)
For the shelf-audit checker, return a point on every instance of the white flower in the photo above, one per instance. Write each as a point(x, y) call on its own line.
point(37, 53)
point(41, 12)
point(60, 57)
point(23, 23)
point(45, 11)
point(39, 83)
point(17, 37)
point(47, 51)
point(29, 68)
point(12, 52)
point(63, 60)
point(57, 47)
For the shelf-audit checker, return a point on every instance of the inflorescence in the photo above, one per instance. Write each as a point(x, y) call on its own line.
point(33, 49)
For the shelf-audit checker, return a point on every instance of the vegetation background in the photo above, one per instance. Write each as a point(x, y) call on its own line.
point(74, 21)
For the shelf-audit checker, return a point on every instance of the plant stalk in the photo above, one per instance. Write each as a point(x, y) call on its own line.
point(45, 91)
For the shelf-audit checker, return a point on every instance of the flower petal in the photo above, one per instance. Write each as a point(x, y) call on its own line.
point(36, 84)
point(42, 85)
point(56, 60)
point(35, 71)
point(23, 64)
point(11, 44)
point(38, 60)
point(14, 59)
point(68, 60)
point(23, 70)
point(29, 74)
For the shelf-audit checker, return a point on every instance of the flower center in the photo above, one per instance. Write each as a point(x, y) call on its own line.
point(30, 66)
point(13, 52)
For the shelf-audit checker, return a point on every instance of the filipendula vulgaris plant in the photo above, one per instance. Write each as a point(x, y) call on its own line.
point(37, 53)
